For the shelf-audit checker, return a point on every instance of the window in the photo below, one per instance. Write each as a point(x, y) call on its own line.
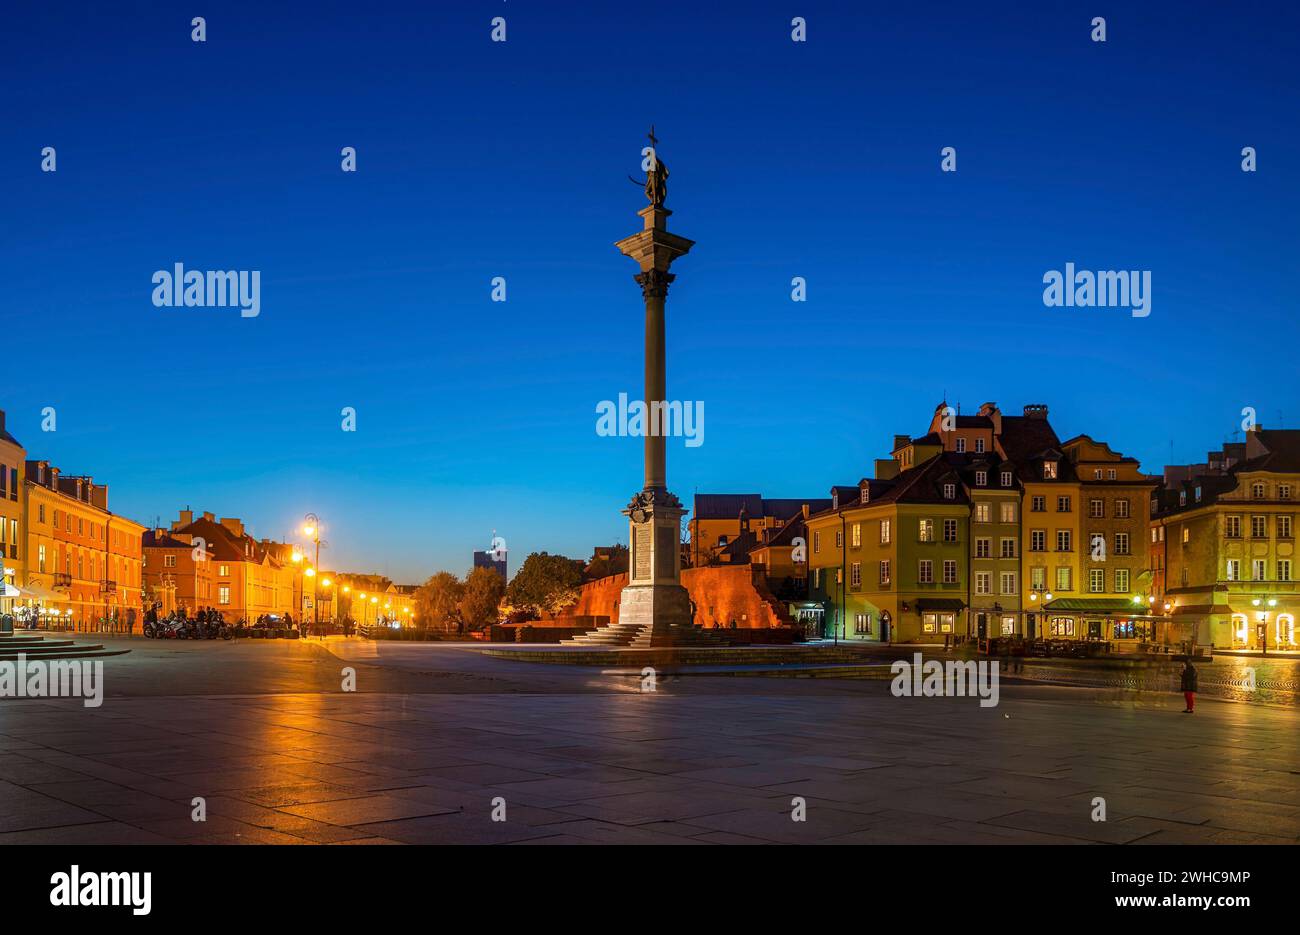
point(884, 571)
point(1121, 544)
point(1121, 509)
point(1284, 569)
point(839, 538)
point(1049, 470)
point(1231, 527)
point(1234, 569)
point(1257, 491)
point(884, 532)
point(949, 571)
point(1096, 474)
point(950, 530)
point(40, 510)
point(1062, 626)
point(169, 561)
point(1007, 511)
point(1006, 478)
point(949, 491)
point(1284, 526)
point(982, 582)
point(926, 530)
point(982, 512)
point(1064, 579)
point(1259, 527)
point(862, 624)
point(925, 571)
point(1008, 547)
point(1121, 580)
point(1008, 625)
point(1038, 578)
point(1063, 540)
point(1008, 582)
point(1187, 534)
point(1096, 580)
point(1110, 474)
point(865, 495)
point(223, 595)
point(223, 571)
point(855, 575)
point(1097, 508)
point(1182, 498)
point(983, 548)
point(817, 577)
point(857, 535)
point(817, 543)
point(1038, 505)
point(981, 478)
point(40, 557)
point(937, 623)
point(961, 445)
point(1257, 572)
point(979, 446)
point(1038, 540)
point(1284, 491)
point(1063, 504)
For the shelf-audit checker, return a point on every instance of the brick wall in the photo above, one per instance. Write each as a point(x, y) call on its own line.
point(721, 594)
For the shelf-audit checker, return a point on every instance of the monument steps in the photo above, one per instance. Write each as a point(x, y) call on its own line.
point(39, 647)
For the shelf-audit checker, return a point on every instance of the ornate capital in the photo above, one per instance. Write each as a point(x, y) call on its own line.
point(654, 283)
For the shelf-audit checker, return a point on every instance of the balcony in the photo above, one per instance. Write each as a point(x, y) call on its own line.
point(62, 579)
point(107, 586)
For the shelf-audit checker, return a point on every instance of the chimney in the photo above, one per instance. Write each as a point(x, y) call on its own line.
point(231, 523)
point(1036, 411)
point(210, 517)
point(901, 441)
point(186, 517)
point(886, 468)
point(2, 420)
point(992, 412)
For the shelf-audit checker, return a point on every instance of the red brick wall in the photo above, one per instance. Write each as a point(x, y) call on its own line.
point(721, 594)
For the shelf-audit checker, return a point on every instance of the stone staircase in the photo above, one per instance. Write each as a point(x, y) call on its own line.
point(645, 636)
point(40, 647)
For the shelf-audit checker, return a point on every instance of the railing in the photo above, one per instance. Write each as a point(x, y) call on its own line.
point(107, 586)
point(63, 579)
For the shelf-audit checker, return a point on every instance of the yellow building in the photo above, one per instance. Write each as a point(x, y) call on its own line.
point(13, 528)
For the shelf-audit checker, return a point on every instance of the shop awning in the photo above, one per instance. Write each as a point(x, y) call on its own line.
point(1198, 609)
point(37, 592)
point(1097, 605)
point(940, 603)
point(8, 590)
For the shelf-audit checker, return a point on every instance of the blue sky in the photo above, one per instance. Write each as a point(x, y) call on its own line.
point(479, 159)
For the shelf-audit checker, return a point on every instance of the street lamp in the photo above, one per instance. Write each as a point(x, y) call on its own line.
point(1039, 597)
point(1261, 617)
point(311, 529)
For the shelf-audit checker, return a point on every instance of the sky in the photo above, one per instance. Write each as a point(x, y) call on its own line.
point(478, 159)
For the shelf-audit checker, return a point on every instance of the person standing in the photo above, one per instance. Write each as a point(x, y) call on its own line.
point(1189, 686)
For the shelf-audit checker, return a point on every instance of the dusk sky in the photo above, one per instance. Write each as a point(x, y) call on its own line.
point(479, 159)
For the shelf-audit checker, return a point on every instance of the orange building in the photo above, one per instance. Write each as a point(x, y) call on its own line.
point(178, 572)
point(84, 559)
point(251, 577)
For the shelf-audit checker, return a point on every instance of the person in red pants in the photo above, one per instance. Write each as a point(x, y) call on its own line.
point(1189, 686)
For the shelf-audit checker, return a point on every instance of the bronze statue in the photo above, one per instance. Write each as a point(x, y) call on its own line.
point(656, 179)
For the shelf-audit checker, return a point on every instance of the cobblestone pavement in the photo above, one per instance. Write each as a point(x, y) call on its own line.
point(435, 732)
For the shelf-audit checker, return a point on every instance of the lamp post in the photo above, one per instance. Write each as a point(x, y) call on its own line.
point(1261, 617)
point(311, 529)
point(1039, 597)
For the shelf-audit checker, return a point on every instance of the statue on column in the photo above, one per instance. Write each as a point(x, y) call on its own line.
point(656, 178)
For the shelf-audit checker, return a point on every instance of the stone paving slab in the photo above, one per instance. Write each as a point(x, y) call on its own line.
point(441, 731)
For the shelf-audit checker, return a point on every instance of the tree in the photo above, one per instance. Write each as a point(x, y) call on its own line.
point(546, 582)
point(437, 601)
point(480, 598)
point(606, 562)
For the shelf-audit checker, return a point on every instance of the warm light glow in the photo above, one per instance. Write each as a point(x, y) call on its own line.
point(1137, 599)
point(363, 595)
point(1272, 602)
point(297, 556)
point(311, 572)
point(309, 531)
point(346, 589)
point(1047, 596)
point(1255, 602)
point(1033, 597)
point(374, 600)
point(387, 605)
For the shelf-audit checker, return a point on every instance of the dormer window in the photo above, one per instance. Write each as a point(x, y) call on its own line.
point(1182, 498)
point(1049, 470)
point(981, 478)
point(866, 495)
point(1006, 478)
point(949, 491)
point(979, 446)
point(835, 499)
point(1257, 491)
point(1198, 494)
point(961, 445)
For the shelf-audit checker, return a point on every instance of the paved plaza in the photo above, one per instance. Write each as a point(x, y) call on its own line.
point(436, 732)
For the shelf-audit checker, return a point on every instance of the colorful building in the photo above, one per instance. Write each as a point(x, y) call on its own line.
point(178, 571)
point(13, 528)
point(1228, 528)
point(252, 578)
